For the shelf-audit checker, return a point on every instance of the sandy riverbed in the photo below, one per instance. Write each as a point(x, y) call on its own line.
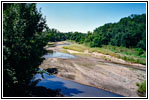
point(95, 71)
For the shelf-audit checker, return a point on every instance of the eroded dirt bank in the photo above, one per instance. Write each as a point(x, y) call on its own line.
point(95, 71)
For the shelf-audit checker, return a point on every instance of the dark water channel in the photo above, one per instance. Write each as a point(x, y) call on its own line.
point(67, 87)
point(70, 88)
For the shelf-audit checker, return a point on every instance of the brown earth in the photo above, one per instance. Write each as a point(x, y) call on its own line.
point(92, 69)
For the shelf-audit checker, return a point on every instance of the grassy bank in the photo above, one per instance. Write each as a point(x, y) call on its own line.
point(135, 55)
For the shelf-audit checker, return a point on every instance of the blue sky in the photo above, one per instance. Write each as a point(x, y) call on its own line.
point(83, 17)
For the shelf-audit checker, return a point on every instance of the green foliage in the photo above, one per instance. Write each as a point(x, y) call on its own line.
point(23, 42)
point(142, 88)
point(95, 42)
point(54, 35)
point(139, 51)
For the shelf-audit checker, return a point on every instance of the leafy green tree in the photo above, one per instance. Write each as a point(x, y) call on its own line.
point(23, 42)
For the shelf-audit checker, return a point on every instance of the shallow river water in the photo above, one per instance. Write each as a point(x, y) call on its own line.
point(56, 54)
point(67, 87)
point(70, 88)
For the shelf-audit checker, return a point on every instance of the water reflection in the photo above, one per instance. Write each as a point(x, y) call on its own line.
point(55, 54)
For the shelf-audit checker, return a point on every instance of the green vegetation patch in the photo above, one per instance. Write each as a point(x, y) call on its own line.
point(141, 88)
point(76, 47)
point(134, 55)
point(127, 51)
point(103, 51)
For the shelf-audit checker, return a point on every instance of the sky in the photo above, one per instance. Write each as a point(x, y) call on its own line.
point(84, 17)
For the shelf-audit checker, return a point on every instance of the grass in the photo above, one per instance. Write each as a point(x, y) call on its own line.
point(103, 51)
point(76, 47)
point(134, 55)
point(126, 51)
point(141, 88)
point(126, 54)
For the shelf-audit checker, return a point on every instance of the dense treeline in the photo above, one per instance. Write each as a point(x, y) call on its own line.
point(129, 32)
point(54, 35)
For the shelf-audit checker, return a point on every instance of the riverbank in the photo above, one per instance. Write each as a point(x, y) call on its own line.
point(112, 53)
point(93, 70)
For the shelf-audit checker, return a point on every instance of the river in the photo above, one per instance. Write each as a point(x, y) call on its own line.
point(67, 87)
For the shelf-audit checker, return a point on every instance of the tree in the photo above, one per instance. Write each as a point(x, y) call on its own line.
point(23, 42)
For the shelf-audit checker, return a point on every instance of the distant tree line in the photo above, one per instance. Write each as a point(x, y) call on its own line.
point(129, 32)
